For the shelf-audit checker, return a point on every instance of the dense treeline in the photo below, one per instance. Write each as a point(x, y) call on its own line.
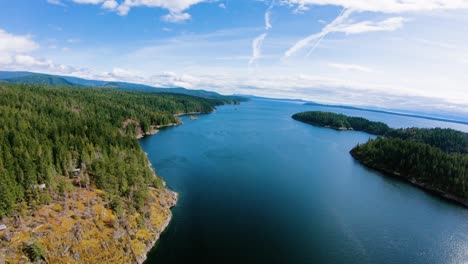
point(435, 158)
point(342, 122)
point(446, 139)
point(46, 132)
point(420, 163)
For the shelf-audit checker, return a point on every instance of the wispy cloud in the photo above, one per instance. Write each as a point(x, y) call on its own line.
point(390, 24)
point(258, 41)
point(348, 27)
point(343, 25)
point(267, 15)
point(257, 48)
point(319, 36)
point(267, 21)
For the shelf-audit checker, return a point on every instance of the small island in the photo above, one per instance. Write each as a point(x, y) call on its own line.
point(435, 160)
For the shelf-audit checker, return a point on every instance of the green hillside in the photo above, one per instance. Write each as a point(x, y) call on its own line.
point(48, 131)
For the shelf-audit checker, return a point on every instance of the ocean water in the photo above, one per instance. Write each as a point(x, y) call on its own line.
point(256, 186)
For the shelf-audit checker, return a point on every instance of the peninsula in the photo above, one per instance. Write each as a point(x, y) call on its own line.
point(433, 159)
point(76, 185)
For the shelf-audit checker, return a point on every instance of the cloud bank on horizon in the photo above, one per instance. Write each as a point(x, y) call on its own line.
point(408, 54)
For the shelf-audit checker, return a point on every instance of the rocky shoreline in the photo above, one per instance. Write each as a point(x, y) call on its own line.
point(155, 129)
point(174, 196)
point(141, 259)
point(173, 201)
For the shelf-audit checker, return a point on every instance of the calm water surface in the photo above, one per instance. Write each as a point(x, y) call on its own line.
point(258, 187)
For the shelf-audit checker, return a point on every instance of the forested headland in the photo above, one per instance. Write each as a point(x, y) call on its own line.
point(60, 142)
point(435, 159)
point(342, 122)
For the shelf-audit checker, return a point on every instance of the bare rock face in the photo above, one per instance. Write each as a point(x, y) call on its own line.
point(77, 230)
point(87, 231)
point(6, 236)
point(173, 199)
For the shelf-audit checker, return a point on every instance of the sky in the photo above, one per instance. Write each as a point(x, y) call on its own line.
point(394, 54)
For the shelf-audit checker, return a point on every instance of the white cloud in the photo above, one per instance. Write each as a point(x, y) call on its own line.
point(120, 74)
point(222, 5)
point(176, 8)
point(15, 55)
point(385, 6)
point(28, 61)
point(350, 67)
point(16, 43)
point(176, 17)
point(257, 48)
point(110, 4)
point(123, 10)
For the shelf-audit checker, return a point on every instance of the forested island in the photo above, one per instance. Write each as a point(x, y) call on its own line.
point(342, 122)
point(434, 159)
point(75, 184)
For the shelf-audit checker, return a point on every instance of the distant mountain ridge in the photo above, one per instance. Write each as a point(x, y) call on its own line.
point(457, 119)
point(57, 80)
point(41, 79)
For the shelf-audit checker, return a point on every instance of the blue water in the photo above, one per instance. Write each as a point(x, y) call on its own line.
point(259, 187)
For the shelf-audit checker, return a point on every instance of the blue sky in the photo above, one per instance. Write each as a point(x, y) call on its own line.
point(404, 54)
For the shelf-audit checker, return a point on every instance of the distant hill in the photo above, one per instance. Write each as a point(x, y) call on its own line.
point(41, 79)
point(8, 74)
point(83, 82)
point(177, 90)
point(56, 80)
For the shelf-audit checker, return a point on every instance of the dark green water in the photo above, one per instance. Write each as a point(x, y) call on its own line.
point(258, 187)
